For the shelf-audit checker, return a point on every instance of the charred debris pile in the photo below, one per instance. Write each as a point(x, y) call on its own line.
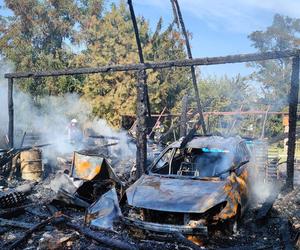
point(81, 202)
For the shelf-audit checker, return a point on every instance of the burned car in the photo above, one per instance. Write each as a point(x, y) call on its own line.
point(192, 189)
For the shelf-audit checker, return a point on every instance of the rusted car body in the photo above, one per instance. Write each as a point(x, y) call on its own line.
point(192, 189)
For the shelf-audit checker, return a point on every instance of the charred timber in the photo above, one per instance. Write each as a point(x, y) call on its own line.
point(141, 153)
point(102, 239)
point(223, 113)
point(10, 112)
point(189, 52)
point(136, 31)
point(29, 232)
point(183, 117)
point(241, 58)
point(15, 211)
point(140, 51)
point(293, 105)
point(13, 223)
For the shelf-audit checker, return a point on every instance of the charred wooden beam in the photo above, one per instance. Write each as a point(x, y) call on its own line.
point(136, 31)
point(183, 118)
point(140, 50)
point(176, 18)
point(293, 105)
point(15, 211)
point(13, 223)
point(100, 238)
point(240, 58)
point(189, 52)
point(28, 233)
point(218, 113)
point(141, 143)
point(10, 102)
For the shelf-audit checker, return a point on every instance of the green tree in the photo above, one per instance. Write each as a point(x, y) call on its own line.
point(109, 39)
point(283, 34)
point(37, 37)
point(217, 95)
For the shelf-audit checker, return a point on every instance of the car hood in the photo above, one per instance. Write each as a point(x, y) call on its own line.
point(175, 195)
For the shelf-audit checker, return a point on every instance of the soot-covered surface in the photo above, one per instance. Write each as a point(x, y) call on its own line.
point(279, 230)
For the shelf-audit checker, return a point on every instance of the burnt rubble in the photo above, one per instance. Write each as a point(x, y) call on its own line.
point(70, 209)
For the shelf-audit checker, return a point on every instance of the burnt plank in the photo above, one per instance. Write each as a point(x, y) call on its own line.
point(293, 105)
point(240, 58)
point(193, 72)
point(100, 238)
point(14, 223)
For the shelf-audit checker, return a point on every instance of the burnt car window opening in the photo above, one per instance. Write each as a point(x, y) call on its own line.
point(162, 165)
point(193, 162)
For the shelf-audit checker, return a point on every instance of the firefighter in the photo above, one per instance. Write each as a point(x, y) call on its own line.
point(75, 135)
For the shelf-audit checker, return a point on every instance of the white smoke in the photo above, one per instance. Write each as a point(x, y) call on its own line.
point(49, 117)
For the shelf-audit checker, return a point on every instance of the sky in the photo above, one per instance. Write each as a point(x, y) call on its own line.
point(218, 27)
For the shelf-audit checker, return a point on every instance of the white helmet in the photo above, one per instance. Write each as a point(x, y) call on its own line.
point(74, 121)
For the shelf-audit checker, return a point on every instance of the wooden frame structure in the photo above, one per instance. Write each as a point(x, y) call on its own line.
point(142, 103)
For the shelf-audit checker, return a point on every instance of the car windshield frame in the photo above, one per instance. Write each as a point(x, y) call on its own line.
point(173, 150)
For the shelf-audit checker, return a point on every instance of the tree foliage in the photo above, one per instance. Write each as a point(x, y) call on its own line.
point(52, 34)
point(59, 34)
point(283, 34)
point(36, 38)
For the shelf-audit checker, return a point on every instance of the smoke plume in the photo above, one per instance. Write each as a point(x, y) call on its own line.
point(50, 116)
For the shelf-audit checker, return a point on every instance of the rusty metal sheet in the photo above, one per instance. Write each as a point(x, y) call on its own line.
point(175, 195)
point(86, 167)
point(103, 212)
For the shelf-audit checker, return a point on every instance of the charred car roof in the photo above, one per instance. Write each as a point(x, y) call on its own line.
point(220, 142)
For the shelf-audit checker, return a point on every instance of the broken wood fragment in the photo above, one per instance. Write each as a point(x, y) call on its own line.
point(29, 232)
point(15, 211)
point(14, 223)
point(113, 243)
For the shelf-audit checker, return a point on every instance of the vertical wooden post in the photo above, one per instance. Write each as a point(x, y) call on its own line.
point(189, 52)
point(10, 113)
point(140, 51)
point(183, 118)
point(141, 102)
point(293, 105)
